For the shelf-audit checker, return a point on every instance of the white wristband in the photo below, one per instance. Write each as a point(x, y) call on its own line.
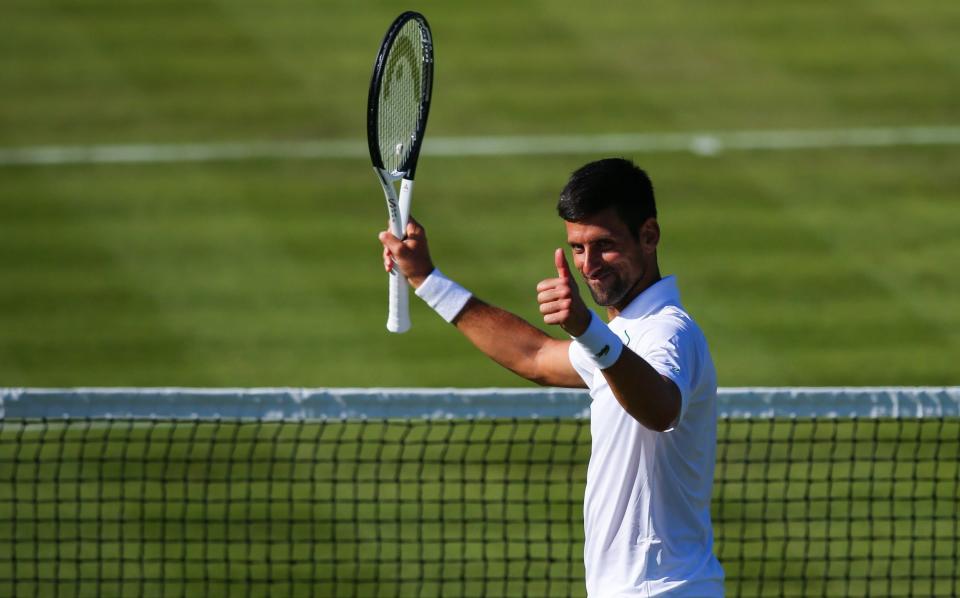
point(446, 297)
point(600, 343)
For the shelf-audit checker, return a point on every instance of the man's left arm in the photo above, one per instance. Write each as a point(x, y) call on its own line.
point(648, 396)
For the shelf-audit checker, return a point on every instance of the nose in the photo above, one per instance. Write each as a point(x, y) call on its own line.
point(592, 261)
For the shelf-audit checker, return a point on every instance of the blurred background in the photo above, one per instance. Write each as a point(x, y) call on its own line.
point(127, 258)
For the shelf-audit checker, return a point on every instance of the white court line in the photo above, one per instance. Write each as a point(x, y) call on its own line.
point(699, 143)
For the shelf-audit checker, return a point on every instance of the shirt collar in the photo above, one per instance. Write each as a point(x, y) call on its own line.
point(653, 298)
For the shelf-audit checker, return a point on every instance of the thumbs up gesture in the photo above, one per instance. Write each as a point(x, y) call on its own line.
point(560, 301)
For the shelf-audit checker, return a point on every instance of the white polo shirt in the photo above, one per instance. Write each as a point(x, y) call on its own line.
point(647, 502)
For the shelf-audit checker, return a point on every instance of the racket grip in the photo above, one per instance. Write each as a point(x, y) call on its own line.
point(398, 319)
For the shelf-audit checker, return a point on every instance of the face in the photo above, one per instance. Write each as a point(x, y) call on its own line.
point(614, 264)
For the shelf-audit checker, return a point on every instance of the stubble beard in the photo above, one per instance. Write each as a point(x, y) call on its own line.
point(612, 293)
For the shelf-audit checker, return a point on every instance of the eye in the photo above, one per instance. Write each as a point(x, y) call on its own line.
point(576, 248)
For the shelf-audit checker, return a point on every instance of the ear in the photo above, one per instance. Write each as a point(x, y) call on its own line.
point(649, 235)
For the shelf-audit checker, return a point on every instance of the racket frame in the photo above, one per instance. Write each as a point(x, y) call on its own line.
point(398, 203)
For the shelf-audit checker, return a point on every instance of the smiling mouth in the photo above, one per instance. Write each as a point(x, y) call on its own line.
point(600, 277)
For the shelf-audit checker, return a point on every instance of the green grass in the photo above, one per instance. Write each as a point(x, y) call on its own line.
point(817, 267)
point(452, 508)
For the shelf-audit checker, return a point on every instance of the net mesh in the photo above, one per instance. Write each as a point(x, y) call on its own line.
point(475, 503)
point(400, 96)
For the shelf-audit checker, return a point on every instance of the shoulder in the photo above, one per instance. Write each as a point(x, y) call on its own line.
point(672, 342)
point(670, 323)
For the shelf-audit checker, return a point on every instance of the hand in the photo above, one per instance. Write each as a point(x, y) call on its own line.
point(411, 254)
point(560, 301)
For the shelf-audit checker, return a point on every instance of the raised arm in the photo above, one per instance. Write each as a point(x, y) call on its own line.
point(501, 335)
point(649, 397)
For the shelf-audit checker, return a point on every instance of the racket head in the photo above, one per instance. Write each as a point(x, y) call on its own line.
point(399, 99)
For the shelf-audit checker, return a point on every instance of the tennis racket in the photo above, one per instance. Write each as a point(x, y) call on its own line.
point(396, 119)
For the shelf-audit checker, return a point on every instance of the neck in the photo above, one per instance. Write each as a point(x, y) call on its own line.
point(649, 278)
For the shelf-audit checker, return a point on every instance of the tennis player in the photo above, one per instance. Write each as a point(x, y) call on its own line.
point(648, 368)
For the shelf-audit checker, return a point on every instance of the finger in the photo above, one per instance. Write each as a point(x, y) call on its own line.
point(552, 283)
point(560, 259)
point(556, 307)
point(546, 285)
point(393, 244)
point(555, 318)
point(553, 294)
point(413, 229)
point(387, 260)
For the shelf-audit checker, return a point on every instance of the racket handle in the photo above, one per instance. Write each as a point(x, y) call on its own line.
point(398, 319)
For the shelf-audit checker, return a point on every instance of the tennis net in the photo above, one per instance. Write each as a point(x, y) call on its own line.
point(379, 492)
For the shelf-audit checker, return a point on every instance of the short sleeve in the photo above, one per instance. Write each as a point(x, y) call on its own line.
point(671, 351)
point(581, 363)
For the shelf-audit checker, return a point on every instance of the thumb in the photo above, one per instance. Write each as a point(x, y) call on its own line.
point(560, 259)
point(389, 241)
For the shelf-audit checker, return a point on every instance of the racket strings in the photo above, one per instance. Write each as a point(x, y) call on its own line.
point(400, 95)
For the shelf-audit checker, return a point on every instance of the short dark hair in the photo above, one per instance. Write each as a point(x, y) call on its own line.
point(609, 183)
